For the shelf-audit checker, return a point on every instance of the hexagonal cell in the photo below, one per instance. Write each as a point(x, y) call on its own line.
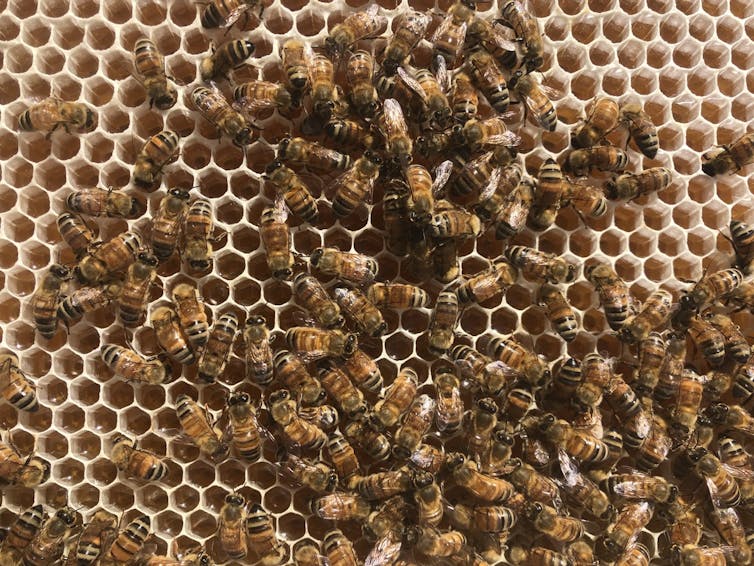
point(84, 495)
point(118, 496)
point(152, 498)
point(69, 472)
point(67, 33)
point(70, 418)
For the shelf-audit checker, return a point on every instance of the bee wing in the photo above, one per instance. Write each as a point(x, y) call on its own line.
point(739, 473)
point(441, 173)
point(385, 551)
point(412, 83)
point(394, 120)
point(491, 187)
point(570, 470)
point(416, 22)
point(506, 138)
point(503, 37)
point(236, 13)
point(442, 73)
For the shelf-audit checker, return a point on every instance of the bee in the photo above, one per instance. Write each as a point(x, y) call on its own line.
point(382, 485)
point(741, 237)
point(449, 37)
point(217, 111)
point(484, 134)
point(721, 483)
point(449, 414)
point(486, 488)
point(535, 97)
point(728, 523)
point(596, 375)
point(356, 184)
point(742, 297)
point(170, 335)
point(259, 364)
point(489, 79)
point(735, 341)
point(245, 430)
point(295, 56)
point(409, 31)
point(437, 109)
point(134, 295)
point(128, 543)
point(693, 555)
point(348, 399)
point(296, 194)
point(46, 300)
point(583, 490)
point(299, 152)
point(640, 128)
point(325, 417)
point(370, 440)
point(712, 286)
point(353, 267)
point(365, 315)
point(733, 416)
point(167, 223)
point(338, 549)
point(635, 555)
point(363, 371)
point(231, 527)
point(455, 223)
point(349, 133)
point(276, 238)
point(317, 476)
point(416, 423)
point(546, 520)
point(634, 185)
point(76, 233)
point(51, 113)
point(217, 351)
point(443, 322)
point(641, 486)
point(655, 447)
point(540, 265)
point(585, 199)
point(49, 543)
point(514, 209)
point(520, 360)
point(136, 462)
point(315, 343)
point(398, 398)
point(527, 31)
point(340, 506)
point(104, 202)
point(481, 423)
point(196, 232)
point(357, 26)
point(191, 314)
point(464, 100)
point(537, 556)
point(133, 367)
point(708, 339)
point(396, 295)
point(306, 553)
point(431, 542)
point(473, 365)
point(578, 444)
point(601, 120)
point(729, 158)
point(323, 94)
point(262, 537)
point(159, 151)
point(427, 458)
point(21, 533)
point(601, 158)
point(399, 146)
point(487, 284)
point(293, 374)
point(622, 532)
point(296, 431)
point(550, 189)
point(482, 174)
point(255, 96)
point(225, 58)
point(484, 518)
point(199, 428)
point(531, 483)
point(613, 294)
point(559, 312)
point(651, 356)
point(422, 190)
point(27, 471)
point(87, 299)
point(688, 402)
point(359, 75)
point(731, 451)
point(629, 410)
point(655, 313)
point(343, 458)
point(225, 13)
point(150, 71)
point(310, 293)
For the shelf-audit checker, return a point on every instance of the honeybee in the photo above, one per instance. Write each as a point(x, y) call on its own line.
point(486, 488)
point(711, 287)
point(167, 223)
point(437, 109)
point(583, 490)
point(728, 523)
point(546, 520)
point(532, 484)
point(170, 336)
point(482, 174)
point(431, 542)
point(225, 13)
point(622, 532)
point(27, 471)
point(731, 451)
point(258, 351)
point(527, 31)
point(159, 151)
point(76, 233)
point(487, 284)
point(199, 428)
point(409, 31)
point(49, 543)
point(635, 555)
point(359, 75)
point(449, 414)
point(217, 111)
point(353, 267)
point(297, 196)
point(294, 375)
point(306, 553)
point(720, 481)
point(601, 120)
point(483, 134)
point(393, 126)
point(742, 297)
point(729, 158)
point(559, 312)
point(634, 185)
point(191, 314)
point(454, 223)
point(357, 26)
point(651, 355)
point(255, 96)
point(427, 458)
point(550, 187)
point(276, 238)
point(150, 71)
point(541, 265)
point(655, 447)
point(492, 376)
point(349, 133)
point(134, 295)
point(741, 237)
point(299, 152)
point(225, 58)
point(197, 230)
point(310, 293)
point(97, 536)
point(693, 555)
point(363, 371)
point(641, 486)
point(324, 93)
point(295, 430)
point(295, 56)
point(640, 128)
point(535, 97)
point(136, 462)
point(578, 444)
point(481, 423)
point(132, 366)
point(416, 423)
point(315, 343)
point(52, 112)
point(231, 527)
point(348, 399)
point(735, 342)
point(128, 543)
point(22, 532)
point(449, 37)
point(537, 556)
point(338, 549)
point(356, 184)
point(520, 360)
point(341, 506)
point(370, 440)
point(245, 431)
point(655, 312)
point(325, 417)
point(585, 199)
point(365, 315)
point(484, 518)
point(514, 209)
point(629, 410)
point(443, 322)
point(733, 416)
point(422, 191)
point(688, 402)
point(46, 299)
point(489, 79)
point(397, 295)
point(398, 398)
point(317, 476)
point(344, 459)
point(262, 537)
point(595, 378)
point(613, 294)
point(708, 339)
point(217, 351)
point(104, 202)
point(87, 299)
point(601, 158)
point(382, 485)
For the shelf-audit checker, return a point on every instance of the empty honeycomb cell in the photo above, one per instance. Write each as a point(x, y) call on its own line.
point(686, 54)
point(115, 121)
point(742, 108)
point(628, 268)
point(686, 162)
point(113, 175)
point(67, 34)
point(8, 143)
point(22, 8)
point(716, 54)
point(34, 149)
point(69, 472)
point(631, 54)
point(84, 495)
point(82, 175)
point(687, 268)
point(54, 444)
point(182, 13)
point(671, 242)
point(10, 308)
point(202, 524)
point(98, 149)
point(64, 147)
point(699, 135)
point(278, 21)
point(643, 243)
point(741, 56)
point(104, 473)
point(132, 94)
point(701, 189)
point(118, 394)
point(20, 281)
point(54, 8)
point(49, 60)
point(18, 59)
point(730, 190)
point(18, 227)
point(200, 473)
point(473, 319)
point(714, 7)
point(644, 81)
point(700, 241)
point(277, 499)
point(232, 473)
point(730, 83)
point(309, 23)
point(118, 496)
point(98, 92)
point(185, 498)
point(715, 215)
point(85, 391)
point(101, 420)
point(35, 256)
point(533, 321)
point(181, 70)
point(34, 87)
point(151, 14)
point(196, 155)
point(9, 28)
point(152, 498)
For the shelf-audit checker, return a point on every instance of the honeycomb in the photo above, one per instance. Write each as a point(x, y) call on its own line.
point(690, 62)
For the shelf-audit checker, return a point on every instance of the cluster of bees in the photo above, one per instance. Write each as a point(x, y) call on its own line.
point(500, 455)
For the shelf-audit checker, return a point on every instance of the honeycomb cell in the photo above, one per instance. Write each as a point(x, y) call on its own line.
point(69, 472)
point(67, 34)
point(686, 54)
point(9, 28)
point(10, 308)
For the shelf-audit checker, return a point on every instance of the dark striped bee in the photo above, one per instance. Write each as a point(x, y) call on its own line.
point(217, 111)
point(170, 335)
point(167, 223)
point(559, 312)
point(49, 543)
point(357, 26)
point(88, 299)
point(655, 312)
point(300, 152)
point(46, 300)
point(630, 186)
point(535, 96)
point(464, 99)
point(159, 151)
point(225, 13)
point(294, 429)
point(541, 265)
point(735, 341)
point(613, 293)
point(742, 238)
point(640, 128)
point(225, 58)
point(26, 471)
point(360, 75)
point(217, 351)
point(276, 238)
point(711, 287)
point(134, 294)
point(21, 533)
point(526, 28)
point(296, 194)
point(197, 232)
point(355, 186)
point(16, 388)
point(294, 57)
point(601, 158)
point(51, 113)
point(256, 96)
point(407, 34)
point(76, 233)
point(98, 534)
point(729, 158)
point(128, 543)
point(136, 462)
point(443, 323)
point(111, 203)
point(150, 70)
point(489, 79)
point(199, 427)
point(258, 351)
point(245, 430)
point(601, 120)
point(132, 366)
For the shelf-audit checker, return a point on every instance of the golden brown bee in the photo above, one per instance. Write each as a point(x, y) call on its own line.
point(348, 399)
point(655, 447)
point(583, 490)
point(399, 145)
point(484, 134)
point(640, 128)
point(557, 527)
point(293, 374)
point(578, 444)
point(197, 231)
point(191, 315)
point(27, 471)
point(51, 113)
point(526, 28)
point(635, 555)
point(167, 223)
point(363, 371)
point(231, 526)
point(255, 96)
point(735, 341)
point(340, 506)
point(277, 241)
point(415, 424)
point(353, 267)
point(733, 416)
point(217, 111)
point(651, 356)
point(481, 173)
point(421, 200)
point(382, 485)
point(688, 402)
point(217, 352)
point(76, 233)
point(487, 284)
point(315, 343)
point(596, 375)
point(464, 99)
point(134, 295)
point(613, 293)
point(299, 152)
point(550, 187)
point(343, 458)
point(729, 158)
point(478, 367)
point(306, 553)
point(484, 518)
point(481, 423)
point(641, 486)
point(721, 483)
point(96, 538)
point(295, 56)
point(559, 312)
point(708, 339)
point(449, 37)
point(48, 545)
point(531, 483)
point(486, 488)
point(370, 440)
point(338, 549)
point(427, 458)
point(431, 143)
point(325, 417)
point(349, 133)
point(131, 366)
point(437, 109)
point(225, 13)
point(454, 223)
point(520, 360)
point(258, 351)
point(671, 370)
point(359, 75)
point(159, 151)
point(534, 95)
point(600, 121)
point(742, 238)
point(428, 499)
point(310, 293)
point(225, 58)
point(655, 313)
point(317, 476)
point(515, 206)
point(104, 202)
point(693, 555)
point(389, 516)
point(408, 32)
point(357, 26)
point(262, 537)
point(712, 287)
point(489, 79)
point(150, 71)
point(537, 556)
point(622, 532)
point(245, 431)
point(128, 543)
point(296, 194)
point(170, 335)
point(540, 265)
point(449, 415)
point(365, 315)
point(585, 199)
point(634, 185)
point(22, 532)
point(46, 300)
point(601, 158)
point(431, 542)
point(323, 93)
point(443, 322)
point(356, 184)
point(397, 295)
point(136, 462)
point(728, 523)
point(732, 452)
point(398, 398)
point(87, 299)
point(629, 411)
point(295, 430)
point(197, 425)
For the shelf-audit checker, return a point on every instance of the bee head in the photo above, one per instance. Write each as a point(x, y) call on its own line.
point(455, 460)
point(272, 167)
point(279, 396)
point(179, 194)
point(235, 499)
point(243, 137)
point(504, 438)
point(60, 271)
point(515, 77)
point(283, 147)
point(167, 100)
point(533, 510)
point(67, 515)
point(316, 255)
point(352, 342)
point(373, 157)
point(148, 259)
point(420, 479)
point(487, 405)
point(120, 439)
point(90, 121)
point(239, 398)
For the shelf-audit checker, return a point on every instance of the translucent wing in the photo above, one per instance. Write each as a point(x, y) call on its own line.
point(441, 71)
point(393, 116)
point(385, 551)
point(441, 173)
point(491, 187)
point(235, 14)
point(506, 138)
point(412, 83)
